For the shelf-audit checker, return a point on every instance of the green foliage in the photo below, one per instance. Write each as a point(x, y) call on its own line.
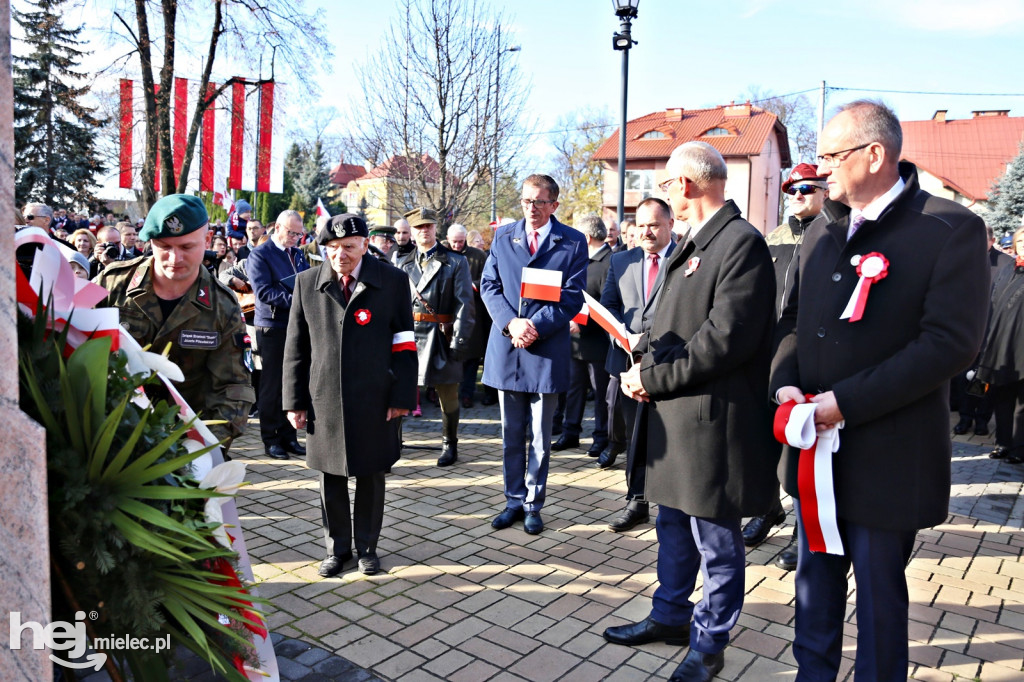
point(127, 519)
point(1007, 198)
point(579, 177)
point(54, 133)
point(311, 179)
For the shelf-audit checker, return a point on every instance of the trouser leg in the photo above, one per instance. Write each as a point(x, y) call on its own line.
point(274, 427)
point(368, 512)
point(542, 408)
point(576, 397)
point(515, 417)
point(448, 396)
point(334, 511)
point(599, 380)
point(618, 434)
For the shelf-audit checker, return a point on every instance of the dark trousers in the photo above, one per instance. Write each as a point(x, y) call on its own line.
point(367, 514)
point(526, 447)
point(972, 408)
point(581, 375)
point(467, 389)
point(618, 435)
point(688, 545)
point(1008, 405)
point(636, 450)
point(879, 559)
point(274, 426)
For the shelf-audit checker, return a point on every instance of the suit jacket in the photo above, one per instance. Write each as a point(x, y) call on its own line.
point(591, 344)
point(710, 451)
point(623, 295)
point(543, 367)
point(890, 370)
point(342, 365)
point(266, 266)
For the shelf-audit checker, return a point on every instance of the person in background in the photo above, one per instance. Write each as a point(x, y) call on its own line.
point(38, 215)
point(129, 236)
point(403, 240)
point(457, 242)
point(476, 240)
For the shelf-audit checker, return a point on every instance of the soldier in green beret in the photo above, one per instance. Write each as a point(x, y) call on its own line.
point(169, 297)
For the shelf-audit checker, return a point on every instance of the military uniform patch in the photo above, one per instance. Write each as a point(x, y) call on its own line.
point(203, 296)
point(197, 338)
point(174, 225)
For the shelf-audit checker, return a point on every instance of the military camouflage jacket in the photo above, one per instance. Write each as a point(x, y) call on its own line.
point(206, 334)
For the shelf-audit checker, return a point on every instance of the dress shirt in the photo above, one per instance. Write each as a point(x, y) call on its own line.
point(875, 208)
point(647, 266)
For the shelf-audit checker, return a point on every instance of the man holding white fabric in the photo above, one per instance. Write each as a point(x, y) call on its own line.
point(527, 356)
point(877, 359)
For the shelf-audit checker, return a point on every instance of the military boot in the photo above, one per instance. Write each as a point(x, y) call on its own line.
point(449, 439)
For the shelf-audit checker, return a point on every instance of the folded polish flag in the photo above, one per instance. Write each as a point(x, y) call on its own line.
point(541, 285)
point(583, 315)
point(606, 320)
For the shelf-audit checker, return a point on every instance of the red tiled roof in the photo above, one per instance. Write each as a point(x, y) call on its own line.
point(966, 154)
point(403, 168)
point(748, 133)
point(344, 173)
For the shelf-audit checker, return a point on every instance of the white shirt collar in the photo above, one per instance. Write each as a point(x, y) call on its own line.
point(542, 233)
point(660, 254)
point(875, 208)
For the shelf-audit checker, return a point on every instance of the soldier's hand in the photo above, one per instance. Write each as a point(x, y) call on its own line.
point(396, 412)
point(297, 418)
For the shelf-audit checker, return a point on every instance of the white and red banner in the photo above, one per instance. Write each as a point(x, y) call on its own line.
point(794, 425)
point(583, 315)
point(321, 210)
point(541, 285)
point(241, 139)
point(604, 318)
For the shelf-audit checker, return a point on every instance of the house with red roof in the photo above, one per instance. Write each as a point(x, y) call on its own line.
point(385, 193)
point(959, 159)
point(344, 173)
point(752, 140)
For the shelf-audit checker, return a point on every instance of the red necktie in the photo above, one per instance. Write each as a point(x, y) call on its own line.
point(652, 274)
point(346, 286)
point(533, 242)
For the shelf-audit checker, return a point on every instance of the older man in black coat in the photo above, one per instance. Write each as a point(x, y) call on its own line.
point(703, 375)
point(351, 318)
point(884, 375)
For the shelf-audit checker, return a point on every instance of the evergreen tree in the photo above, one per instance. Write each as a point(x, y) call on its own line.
point(312, 181)
point(54, 133)
point(1007, 198)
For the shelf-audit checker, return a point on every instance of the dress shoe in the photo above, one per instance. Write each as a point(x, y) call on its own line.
point(758, 527)
point(962, 426)
point(1013, 457)
point(533, 524)
point(566, 442)
point(508, 517)
point(646, 631)
point(787, 560)
point(607, 459)
point(1000, 452)
point(276, 452)
point(596, 448)
point(980, 428)
point(369, 564)
point(254, 412)
point(331, 566)
point(631, 517)
point(698, 667)
point(295, 447)
point(467, 403)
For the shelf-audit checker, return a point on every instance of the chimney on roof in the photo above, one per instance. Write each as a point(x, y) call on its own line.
point(674, 114)
point(738, 110)
point(940, 116)
point(990, 113)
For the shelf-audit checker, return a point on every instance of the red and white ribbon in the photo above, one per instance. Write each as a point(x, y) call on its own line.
point(870, 269)
point(794, 425)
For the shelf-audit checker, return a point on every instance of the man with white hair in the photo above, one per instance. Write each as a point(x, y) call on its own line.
point(38, 215)
point(457, 236)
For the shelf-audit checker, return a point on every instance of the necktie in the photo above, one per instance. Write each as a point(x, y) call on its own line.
point(291, 257)
point(652, 274)
point(346, 287)
point(533, 242)
point(855, 225)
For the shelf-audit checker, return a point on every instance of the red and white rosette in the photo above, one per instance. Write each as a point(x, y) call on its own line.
point(870, 269)
point(794, 425)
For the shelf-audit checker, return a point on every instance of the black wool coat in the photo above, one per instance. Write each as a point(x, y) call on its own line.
point(591, 344)
point(343, 364)
point(890, 370)
point(709, 445)
point(1002, 360)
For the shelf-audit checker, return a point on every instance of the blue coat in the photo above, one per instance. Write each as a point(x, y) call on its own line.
point(266, 266)
point(543, 367)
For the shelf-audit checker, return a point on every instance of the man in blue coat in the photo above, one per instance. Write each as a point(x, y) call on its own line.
point(528, 349)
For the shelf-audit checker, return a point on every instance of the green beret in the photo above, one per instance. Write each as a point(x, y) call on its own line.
point(173, 216)
point(418, 217)
point(382, 231)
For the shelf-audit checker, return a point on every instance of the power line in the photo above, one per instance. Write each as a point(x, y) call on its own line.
point(925, 92)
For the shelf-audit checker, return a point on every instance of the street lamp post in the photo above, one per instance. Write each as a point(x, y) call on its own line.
point(625, 10)
point(497, 129)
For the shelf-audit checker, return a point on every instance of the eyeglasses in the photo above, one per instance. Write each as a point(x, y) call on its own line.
point(539, 203)
point(804, 190)
point(830, 160)
point(30, 217)
point(664, 185)
point(295, 234)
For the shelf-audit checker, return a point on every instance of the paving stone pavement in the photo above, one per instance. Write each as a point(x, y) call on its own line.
point(458, 601)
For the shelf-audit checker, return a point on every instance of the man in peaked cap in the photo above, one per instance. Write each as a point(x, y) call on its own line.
point(168, 297)
point(382, 241)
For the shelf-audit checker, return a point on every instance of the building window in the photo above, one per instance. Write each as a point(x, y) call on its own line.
point(640, 180)
point(653, 135)
point(716, 132)
point(410, 200)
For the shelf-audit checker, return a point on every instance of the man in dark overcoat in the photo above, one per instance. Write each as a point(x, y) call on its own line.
point(884, 376)
point(476, 258)
point(703, 375)
point(444, 314)
point(351, 319)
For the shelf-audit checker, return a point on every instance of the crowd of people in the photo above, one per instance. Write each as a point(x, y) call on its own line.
point(859, 312)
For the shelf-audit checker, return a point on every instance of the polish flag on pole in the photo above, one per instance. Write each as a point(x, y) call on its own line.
point(604, 318)
point(541, 285)
point(321, 210)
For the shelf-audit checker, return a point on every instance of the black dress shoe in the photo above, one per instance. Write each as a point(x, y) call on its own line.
point(787, 560)
point(369, 564)
point(467, 403)
point(980, 428)
point(533, 524)
point(1000, 452)
point(646, 631)
point(962, 426)
point(607, 459)
point(295, 447)
point(631, 517)
point(596, 449)
point(698, 667)
point(507, 518)
point(566, 442)
point(758, 527)
point(276, 451)
point(331, 566)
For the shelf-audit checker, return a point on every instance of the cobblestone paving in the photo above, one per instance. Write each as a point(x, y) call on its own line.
point(457, 601)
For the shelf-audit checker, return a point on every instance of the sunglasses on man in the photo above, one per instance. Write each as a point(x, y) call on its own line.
point(803, 189)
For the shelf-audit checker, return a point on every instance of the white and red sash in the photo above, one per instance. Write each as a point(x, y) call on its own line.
point(794, 425)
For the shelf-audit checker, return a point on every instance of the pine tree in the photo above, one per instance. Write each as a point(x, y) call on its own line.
point(312, 181)
point(1007, 198)
point(54, 133)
